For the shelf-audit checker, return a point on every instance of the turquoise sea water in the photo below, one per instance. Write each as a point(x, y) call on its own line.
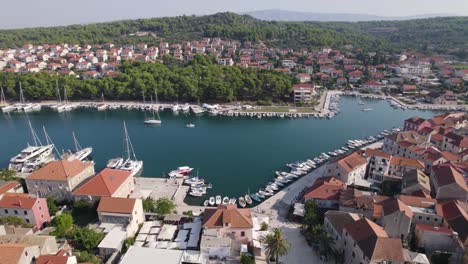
point(235, 154)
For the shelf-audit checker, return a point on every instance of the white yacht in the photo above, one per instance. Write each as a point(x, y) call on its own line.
point(79, 153)
point(190, 125)
point(154, 120)
point(34, 156)
point(129, 162)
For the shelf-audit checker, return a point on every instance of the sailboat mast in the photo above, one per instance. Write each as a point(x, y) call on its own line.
point(21, 94)
point(127, 142)
point(2, 98)
point(77, 144)
point(49, 141)
point(58, 92)
point(34, 136)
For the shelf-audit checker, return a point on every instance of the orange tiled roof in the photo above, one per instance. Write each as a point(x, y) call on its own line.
point(327, 188)
point(351, 162)
point(104, 183)
point(227, 214)
point(116, 205)
point(448, 174)
point(11, 253)
point(8, 186)
point(60, 170)
point(19, 202)
point(376, 152)
point(390, 206)
point(406, 162)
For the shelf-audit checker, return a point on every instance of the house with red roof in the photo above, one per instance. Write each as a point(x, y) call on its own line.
point(107, 183)
point(396, 218)
point(449, 182)
point(348, 169)
point(127, 212)
point(366, 242)
point(409, 89)
point(229, 221)
point(61, 257)
point(31, 209)
point(455, 215)
point(415, 123)
point(325, 192)
point(378, 164)
point(15, 253)
point(355, 76)
point(59, 178)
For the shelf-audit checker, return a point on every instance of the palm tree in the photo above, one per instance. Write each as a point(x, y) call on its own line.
point(276, 244)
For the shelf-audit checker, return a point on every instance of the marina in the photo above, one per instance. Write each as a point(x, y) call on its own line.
point(252, 149)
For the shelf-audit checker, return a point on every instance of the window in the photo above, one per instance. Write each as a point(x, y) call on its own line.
point(419, 217)
point(354, 255)
point(242, 234)
point(25, 212)
point(27, 221)
point(16, 211)
point(40, 208)
point(42, 217)
point(6, 211)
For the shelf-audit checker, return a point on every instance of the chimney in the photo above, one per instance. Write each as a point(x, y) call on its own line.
point(19, 202)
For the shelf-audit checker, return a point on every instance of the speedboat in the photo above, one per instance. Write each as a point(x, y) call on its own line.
point(211, 201)
point(190, 125)
point(196, 193)
point(260, 195)
point(248, 200)
point(218, 199)
point(242, 202)
point(225, 200)
point(205, 203)
point(184, 170)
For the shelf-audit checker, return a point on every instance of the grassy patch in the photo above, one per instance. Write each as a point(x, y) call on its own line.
point(460, 66)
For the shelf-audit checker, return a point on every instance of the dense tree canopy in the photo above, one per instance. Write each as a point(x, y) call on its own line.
point(201, 79)
point(444, 33)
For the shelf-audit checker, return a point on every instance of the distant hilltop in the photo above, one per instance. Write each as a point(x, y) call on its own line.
point(284, 15)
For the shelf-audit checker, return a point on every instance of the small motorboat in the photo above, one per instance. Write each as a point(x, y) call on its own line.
point(225, 200)
point(218, 199)
point(261, 196)
point(255, 197)
point(190, 125)
point(248, 200)
point(211, 201)
point(205, 203)
point(242, 202)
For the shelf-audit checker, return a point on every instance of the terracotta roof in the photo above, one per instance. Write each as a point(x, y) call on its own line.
point(8, 186)
point(60, 170)
point(227, 214)
point(59, 258)
point(415, 119)
point(406, 162)
point(365, 233)
point(11, 253)
point(456, 214)
point(105, 183)
point(446, 175)
point(409, 136)
point(392, 205)
point(19, 202)
point(416, 201)
point(449, 156)
point(351, 162)
point(326, 188)
point(375, 152)
point(352, 197)
point(116, 205)
point(434, 229)
point(340, 219)
point(389, 250)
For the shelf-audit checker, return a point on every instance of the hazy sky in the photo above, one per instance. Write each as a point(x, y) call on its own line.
point(33, 13)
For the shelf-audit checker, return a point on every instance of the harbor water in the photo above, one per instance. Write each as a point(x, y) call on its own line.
point(235, 154)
